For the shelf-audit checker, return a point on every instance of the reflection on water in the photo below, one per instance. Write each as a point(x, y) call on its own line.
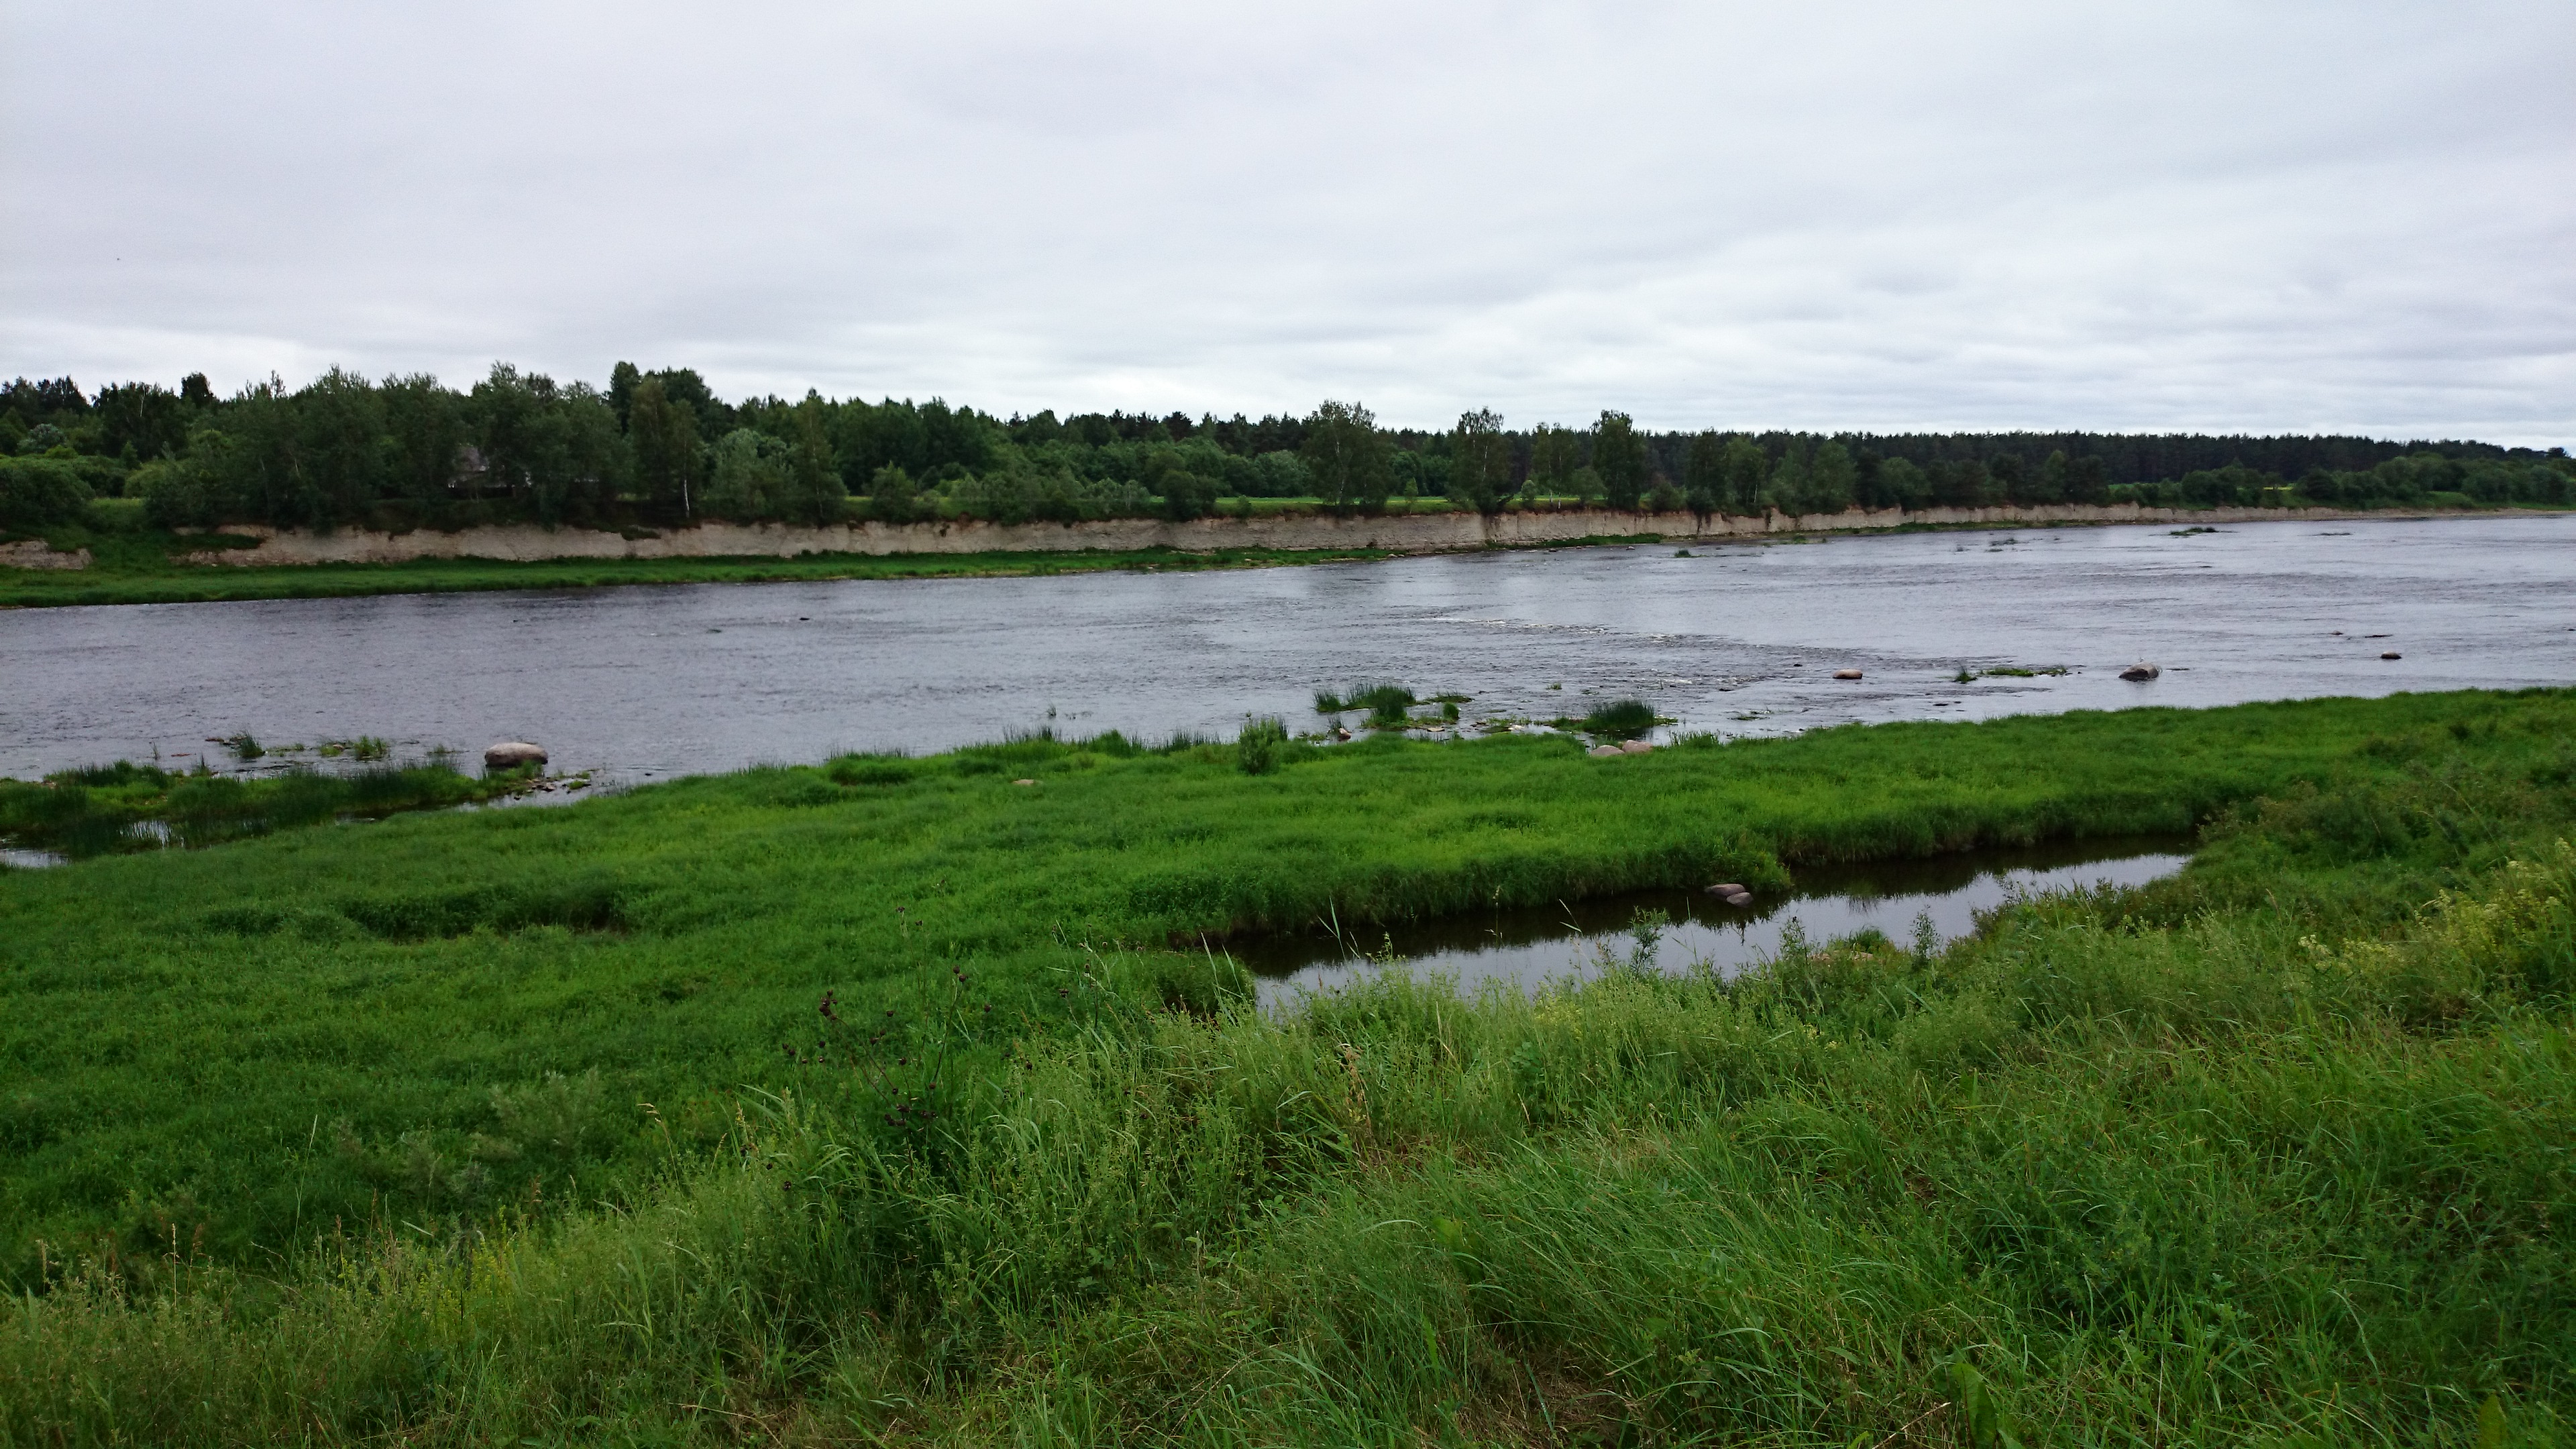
point(1533, 946)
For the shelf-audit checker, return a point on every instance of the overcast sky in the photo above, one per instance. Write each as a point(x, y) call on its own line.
point(2267, 217)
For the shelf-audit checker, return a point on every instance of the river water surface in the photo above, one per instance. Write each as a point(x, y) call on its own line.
point(645, 682)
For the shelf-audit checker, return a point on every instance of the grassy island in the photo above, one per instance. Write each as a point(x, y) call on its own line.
point(915, 1100)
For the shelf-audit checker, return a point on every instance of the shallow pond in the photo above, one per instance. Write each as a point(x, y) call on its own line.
point(1582, 938)
point(645, 682)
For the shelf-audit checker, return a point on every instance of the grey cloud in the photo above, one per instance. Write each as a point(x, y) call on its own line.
point(1869, 215)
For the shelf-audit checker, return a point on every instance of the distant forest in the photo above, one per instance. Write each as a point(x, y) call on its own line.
point(657, 448)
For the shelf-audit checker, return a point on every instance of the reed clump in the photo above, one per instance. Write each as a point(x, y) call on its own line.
point(1620, 719)
point(1387, 706)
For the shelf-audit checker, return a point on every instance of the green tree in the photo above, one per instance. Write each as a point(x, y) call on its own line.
point(892, 496)
point(1480, 462)
point(1347, 456)
point(1704, 474)
point(2088, 481)
point(2011, 478)
point(623, 379)
point(1959, 485)
point(579, 460)
point(247, 470)
point(1619, 456)
point(815, 491)
point(336, 450)
point(1584, 486)
point(1902, 484)
point(663, 432)
point(750, 479)
point(504, 412)
point(1555, 452)
point(37, 492)
point(139, 421)
point(1281, 474)
point(426, 435)
point(1787, 490)
point(1748, 470)
point(1831, 479)
point(2056, 479)
point(1185, 494)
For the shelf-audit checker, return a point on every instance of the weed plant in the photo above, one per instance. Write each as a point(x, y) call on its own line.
point(1258, 748)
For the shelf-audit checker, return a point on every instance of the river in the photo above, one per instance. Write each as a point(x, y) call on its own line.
point(645, 682)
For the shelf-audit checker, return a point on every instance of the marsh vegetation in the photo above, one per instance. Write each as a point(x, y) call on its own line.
point(895, 1099)
point(125, 807)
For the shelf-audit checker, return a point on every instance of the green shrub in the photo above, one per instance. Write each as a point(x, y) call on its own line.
point(1257, 749)
point(38, 493)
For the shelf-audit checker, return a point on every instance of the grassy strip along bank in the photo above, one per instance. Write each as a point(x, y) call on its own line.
point(155, 576)
point(2279, 1151)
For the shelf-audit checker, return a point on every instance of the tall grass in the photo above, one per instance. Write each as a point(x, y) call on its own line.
point(258, 1042)
point(1620, 719)
point(2180, 1165)
point(109, 808)
point(1385, 704)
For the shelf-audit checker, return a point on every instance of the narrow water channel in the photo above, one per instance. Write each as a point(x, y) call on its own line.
point(1530, 947)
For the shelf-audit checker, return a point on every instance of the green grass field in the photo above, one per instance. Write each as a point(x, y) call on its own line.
point(525, 1125)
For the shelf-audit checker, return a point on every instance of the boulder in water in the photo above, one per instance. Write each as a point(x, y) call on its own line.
point(1727, 888)
point(511, 754)
point(1740, 898)
point(2140, 672)
point(1846, 674)
point(2392, 654)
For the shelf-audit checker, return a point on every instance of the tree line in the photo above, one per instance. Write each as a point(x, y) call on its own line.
point(661, 447)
